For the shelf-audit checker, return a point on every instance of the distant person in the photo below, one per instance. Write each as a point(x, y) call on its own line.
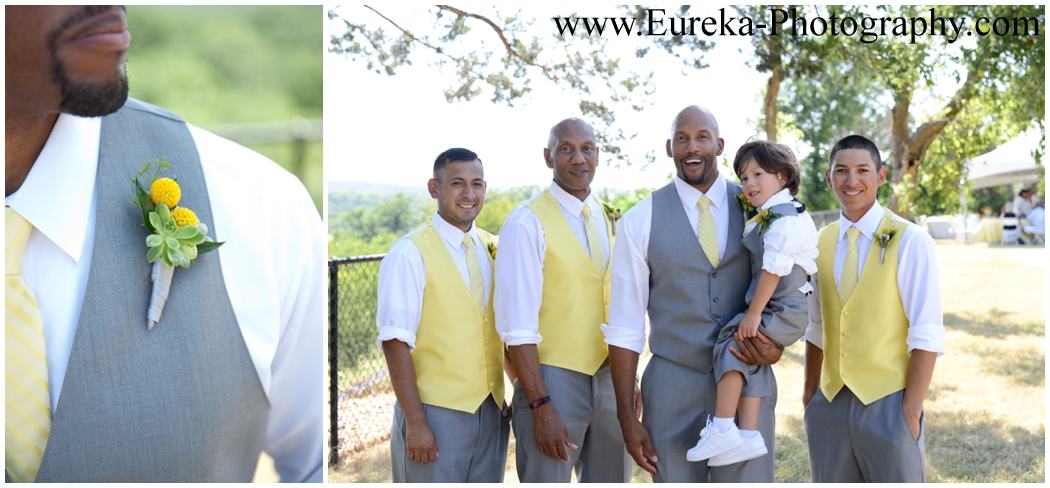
point(1037, 221)
point(783, 243)
point(552, 295)
point(436, 330)
point(232, 368)
point(875, 332)
point(1023, 203)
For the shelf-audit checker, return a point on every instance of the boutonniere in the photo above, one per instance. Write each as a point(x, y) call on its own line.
point(745, 205)
point(492, 249)
point(614, 215)
point(763, 218)
point(883, 238)
point(176, 236)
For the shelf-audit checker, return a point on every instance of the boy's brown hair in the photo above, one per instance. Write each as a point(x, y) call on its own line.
point(772, 157)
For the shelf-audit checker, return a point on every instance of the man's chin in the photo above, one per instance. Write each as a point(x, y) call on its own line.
point(93, 99)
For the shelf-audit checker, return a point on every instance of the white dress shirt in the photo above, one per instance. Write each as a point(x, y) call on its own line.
point(519, 263)
point(1021, 206)
point(789, 240)
point(630, 263)
point(1037, 217)
point(403, 279)
point(918, 280)
point(273, 269)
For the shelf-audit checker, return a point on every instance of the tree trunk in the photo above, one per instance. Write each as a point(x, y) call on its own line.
point(772, 89)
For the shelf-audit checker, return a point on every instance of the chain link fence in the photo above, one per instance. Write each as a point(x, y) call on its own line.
point(361, 398)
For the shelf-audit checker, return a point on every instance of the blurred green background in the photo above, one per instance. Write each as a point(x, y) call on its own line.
point(242, 72)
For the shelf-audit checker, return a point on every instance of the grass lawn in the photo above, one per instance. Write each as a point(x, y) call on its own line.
point(986, 407)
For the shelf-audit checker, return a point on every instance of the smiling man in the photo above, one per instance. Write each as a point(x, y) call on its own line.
point(552, 295)
point(231, 369)
point(436, 329)
point(875, 332)
point(680, 258)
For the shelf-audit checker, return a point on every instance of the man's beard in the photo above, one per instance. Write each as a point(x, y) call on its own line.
point(87, 99)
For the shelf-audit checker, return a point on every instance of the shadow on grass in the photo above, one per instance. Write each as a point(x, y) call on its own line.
point(1023, 366)
point(969, 447)
point(993, 324)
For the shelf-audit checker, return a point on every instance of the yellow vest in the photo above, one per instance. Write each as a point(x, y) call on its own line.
point(458, 355)
point(575, 296)
point(865, 338)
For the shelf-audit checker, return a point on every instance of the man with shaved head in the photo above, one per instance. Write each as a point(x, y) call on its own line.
point(680, 258)
point(552, 295)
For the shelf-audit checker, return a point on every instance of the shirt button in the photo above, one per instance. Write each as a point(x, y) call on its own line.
point(845, 334)
point(714, 275)
point(845, 314)
point(843, 355)
point(493, 383)
point(715, 299)
point(490, 363)
point(754, 275)
point(844, 375)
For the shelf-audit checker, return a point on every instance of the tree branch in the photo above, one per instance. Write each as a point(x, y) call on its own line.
point(499, 32)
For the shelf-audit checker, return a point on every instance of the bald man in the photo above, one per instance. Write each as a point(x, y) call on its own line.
point(680, 258)
point(552, 295)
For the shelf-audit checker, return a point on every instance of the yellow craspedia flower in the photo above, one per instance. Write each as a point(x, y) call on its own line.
point(184, 216)
point(166, 191)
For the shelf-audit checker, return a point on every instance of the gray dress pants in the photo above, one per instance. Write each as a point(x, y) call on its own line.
point(850, 442)
point(587, 405)
point(676, 402)
point(473, 447)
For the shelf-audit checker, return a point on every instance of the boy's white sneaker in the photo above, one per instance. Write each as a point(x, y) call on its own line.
point(748, 449)
point(713, 443)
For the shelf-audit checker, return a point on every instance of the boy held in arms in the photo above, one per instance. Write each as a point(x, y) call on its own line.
point(783, 243)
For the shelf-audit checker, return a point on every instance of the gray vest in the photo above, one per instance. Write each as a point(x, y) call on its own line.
point(689, 300)
point(180, 403)
point(789, 324)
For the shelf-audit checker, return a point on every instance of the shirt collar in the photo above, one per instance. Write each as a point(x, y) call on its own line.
point(56, 195)
point(568, 202)
point(867, 225)
point(690, 195)
point(780, 197)
point(451, 233)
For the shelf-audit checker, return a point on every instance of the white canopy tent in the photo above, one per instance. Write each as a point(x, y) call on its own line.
point(1010, 163)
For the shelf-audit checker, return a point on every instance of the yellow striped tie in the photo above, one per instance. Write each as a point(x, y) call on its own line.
point(706, 230)
point(477, 282)
point(28, 419)
point(594, 241)
point(848, 279)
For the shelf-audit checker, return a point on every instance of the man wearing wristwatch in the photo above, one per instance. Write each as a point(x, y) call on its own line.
point(551, 297)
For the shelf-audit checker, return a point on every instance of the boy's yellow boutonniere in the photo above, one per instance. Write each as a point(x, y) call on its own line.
point(745, 204)
point(614, 215)
point(763, 218)
point(883, 238)
point(176, 236)
point(492, 249)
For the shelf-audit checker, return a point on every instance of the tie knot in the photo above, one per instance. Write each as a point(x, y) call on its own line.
point(586, 211)
point(468, 242)
point(704, 202)
point(16, 232)
point(853, 233)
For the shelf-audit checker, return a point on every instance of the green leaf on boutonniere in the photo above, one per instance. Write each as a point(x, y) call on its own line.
point(208, 246)
point(145, 204)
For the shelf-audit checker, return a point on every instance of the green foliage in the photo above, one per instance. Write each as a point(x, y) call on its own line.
point(233, 65)
point(499, 203)
point(174, 246)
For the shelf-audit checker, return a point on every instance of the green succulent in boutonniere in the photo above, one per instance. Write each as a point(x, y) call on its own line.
point(745, 204)
point(883, 238)
point(763, 218)
point(614, 215)
point(492, 249)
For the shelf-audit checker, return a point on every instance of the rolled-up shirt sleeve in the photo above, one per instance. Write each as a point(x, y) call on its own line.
point(519, 278)
point(918, 279)
point(402, 279)
point(630, 280)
